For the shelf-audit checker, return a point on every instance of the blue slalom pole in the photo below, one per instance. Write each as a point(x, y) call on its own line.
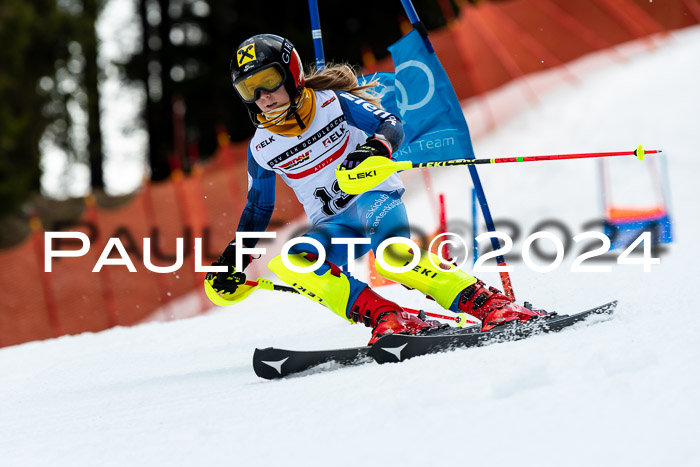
point(505, 277)
point(410, 11)
point(316, 35)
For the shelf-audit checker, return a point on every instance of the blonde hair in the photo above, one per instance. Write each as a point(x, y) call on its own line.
point(342, 77)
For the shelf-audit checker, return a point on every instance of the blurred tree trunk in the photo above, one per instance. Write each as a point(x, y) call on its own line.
point(91, 9)
point(165, 105)
point(144, 76)
point(34, 38)
point(155, 74)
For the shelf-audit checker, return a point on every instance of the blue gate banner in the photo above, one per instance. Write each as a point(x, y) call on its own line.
point(421, 94)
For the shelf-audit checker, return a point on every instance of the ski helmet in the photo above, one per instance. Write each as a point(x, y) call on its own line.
point(266, 62)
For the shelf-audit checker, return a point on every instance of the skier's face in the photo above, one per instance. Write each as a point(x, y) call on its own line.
point(271, 100)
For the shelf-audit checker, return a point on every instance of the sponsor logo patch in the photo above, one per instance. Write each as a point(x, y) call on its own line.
point(245, 54)
point(328, 102)
point(262, 144)
point(306, 144)
point(296, 161)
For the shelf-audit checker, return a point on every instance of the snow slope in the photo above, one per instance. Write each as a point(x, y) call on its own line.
point(621, 392)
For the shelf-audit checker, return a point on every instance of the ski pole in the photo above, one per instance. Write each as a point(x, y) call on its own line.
point(242, 292)
point(460, 319)
point(375, 169)
point(265, 284)
point(248, 287)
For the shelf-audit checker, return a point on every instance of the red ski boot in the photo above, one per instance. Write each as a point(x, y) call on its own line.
point(386, 317)
point(492, 307)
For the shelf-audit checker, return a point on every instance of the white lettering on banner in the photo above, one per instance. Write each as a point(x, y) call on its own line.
point(427, 144)
point(403, 103)
point(404, 151)
point(435, 143)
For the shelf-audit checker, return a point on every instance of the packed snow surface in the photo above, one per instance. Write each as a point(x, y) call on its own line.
point(622, 391)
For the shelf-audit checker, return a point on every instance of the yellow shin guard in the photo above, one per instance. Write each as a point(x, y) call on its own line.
point(328, 289)
point(442, 283)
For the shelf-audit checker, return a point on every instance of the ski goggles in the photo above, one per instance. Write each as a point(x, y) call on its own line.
point(269, 79)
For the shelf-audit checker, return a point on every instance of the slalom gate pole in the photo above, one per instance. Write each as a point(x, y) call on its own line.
point(505, 277)
point(421, 29)
point(491, 226)
point(410, 11)
point(475, 228)
point(316, 35)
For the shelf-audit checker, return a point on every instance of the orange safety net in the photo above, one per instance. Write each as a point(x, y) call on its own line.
point(72, 298)
point(492, 43)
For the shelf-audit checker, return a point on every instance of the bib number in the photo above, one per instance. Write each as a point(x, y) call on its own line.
point(333, 200)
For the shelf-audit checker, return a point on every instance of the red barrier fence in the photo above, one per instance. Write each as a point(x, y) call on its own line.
point(484, 48)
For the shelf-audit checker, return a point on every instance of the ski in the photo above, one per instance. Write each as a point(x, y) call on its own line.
point(272, 363)
point(400, 347)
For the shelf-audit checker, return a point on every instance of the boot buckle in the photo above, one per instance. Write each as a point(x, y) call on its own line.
point(355, 314)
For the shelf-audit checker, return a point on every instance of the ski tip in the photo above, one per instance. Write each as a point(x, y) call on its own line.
point(608, 308)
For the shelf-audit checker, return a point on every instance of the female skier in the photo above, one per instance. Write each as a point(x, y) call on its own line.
point(306, 127)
